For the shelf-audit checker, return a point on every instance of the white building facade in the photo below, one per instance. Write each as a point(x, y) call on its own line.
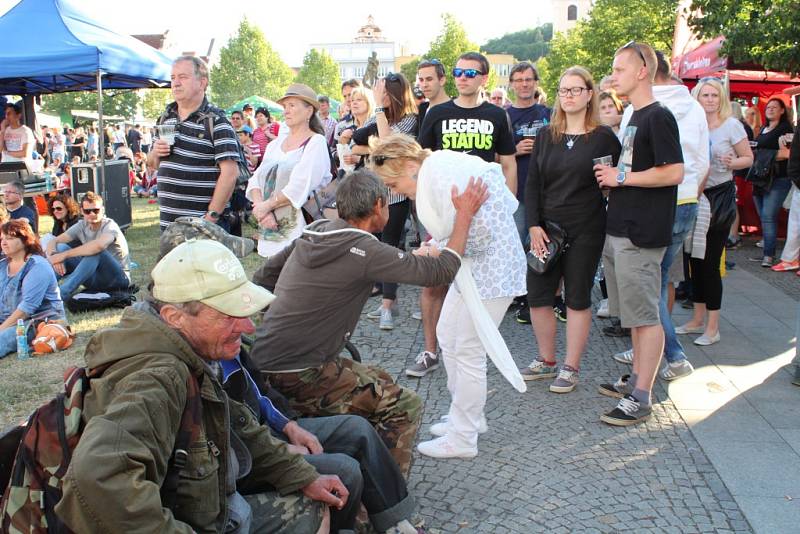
point(352, 57)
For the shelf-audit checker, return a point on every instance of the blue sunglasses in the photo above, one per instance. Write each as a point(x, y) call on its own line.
point(469, 73)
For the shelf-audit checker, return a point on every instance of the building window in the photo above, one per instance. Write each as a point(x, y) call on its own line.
point(572, 12)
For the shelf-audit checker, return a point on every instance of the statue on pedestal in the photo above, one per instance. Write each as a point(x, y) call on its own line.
point(371, 74)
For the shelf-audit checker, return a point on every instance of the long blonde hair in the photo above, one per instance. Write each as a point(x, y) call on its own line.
point(592, 120)
point(725, 110)
point(752, 116)
point(366, 94)
point(387, 156)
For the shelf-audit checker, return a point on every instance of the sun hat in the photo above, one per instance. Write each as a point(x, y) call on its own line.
point(303, 92)
point(206, 271)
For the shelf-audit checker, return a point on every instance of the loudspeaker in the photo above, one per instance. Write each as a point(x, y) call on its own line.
point(115, 189)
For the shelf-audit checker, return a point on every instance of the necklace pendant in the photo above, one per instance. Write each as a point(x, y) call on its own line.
point(570, 143)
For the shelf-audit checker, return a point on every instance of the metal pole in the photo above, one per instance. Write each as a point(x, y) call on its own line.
point(101, 134)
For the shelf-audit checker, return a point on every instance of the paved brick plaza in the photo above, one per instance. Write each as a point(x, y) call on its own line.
point(548, 464)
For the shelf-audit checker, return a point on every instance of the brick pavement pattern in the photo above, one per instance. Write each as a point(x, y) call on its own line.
point(547, 463)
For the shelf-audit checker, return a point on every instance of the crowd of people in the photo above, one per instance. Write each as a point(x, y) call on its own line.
point(516, 206)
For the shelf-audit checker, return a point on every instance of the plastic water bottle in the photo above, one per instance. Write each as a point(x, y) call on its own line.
point(23, 352)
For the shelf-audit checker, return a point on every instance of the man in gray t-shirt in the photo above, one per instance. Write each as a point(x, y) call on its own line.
point(101, 262)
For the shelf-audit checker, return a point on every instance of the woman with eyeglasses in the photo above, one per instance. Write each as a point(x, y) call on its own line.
point(28, 283)
point(562, 189)
point(396, 112)
point(769, 198)
point(716, 211)
point(492, 273)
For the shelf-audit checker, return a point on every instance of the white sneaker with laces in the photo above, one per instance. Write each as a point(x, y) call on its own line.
point(442, 448)
point(376, 313)
point(387, 320)
point(417, 315)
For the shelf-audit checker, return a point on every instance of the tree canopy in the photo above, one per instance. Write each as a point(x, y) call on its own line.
point(248, 65)
point(154, 102)
point(610, 24)
point(321, 73)
point(763, 31)
point(530, 44)
point(122, 103)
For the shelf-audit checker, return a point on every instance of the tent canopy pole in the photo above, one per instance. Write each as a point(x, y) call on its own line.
point(101, 134)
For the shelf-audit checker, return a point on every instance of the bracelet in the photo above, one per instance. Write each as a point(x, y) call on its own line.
point(380, 110)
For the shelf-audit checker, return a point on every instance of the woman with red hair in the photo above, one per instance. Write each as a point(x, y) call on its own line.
point(28, 285)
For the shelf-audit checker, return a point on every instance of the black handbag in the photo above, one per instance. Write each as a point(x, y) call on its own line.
point(557, 246)
point(762, 172)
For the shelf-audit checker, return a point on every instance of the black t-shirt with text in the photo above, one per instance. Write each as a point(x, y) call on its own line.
point(482, 131)
point(645, 215)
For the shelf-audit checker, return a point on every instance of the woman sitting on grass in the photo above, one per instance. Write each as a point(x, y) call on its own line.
point(28, 284)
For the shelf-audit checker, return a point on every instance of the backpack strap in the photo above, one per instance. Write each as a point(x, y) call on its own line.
point(188, 432)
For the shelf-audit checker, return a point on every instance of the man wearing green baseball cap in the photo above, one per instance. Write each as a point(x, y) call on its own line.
point(237, 477)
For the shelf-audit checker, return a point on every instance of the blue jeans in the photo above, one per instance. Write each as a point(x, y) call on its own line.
point(8, 341)
point(101, 272)
point(768, 205)
point(685, 215)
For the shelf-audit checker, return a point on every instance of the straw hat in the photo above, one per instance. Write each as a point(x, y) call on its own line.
point(303, 92)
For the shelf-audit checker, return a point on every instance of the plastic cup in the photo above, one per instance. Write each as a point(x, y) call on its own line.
point(167, 133)
point(606, 161)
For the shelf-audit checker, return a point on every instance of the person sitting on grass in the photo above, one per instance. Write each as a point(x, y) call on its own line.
point(28, 285)
point(101, 262)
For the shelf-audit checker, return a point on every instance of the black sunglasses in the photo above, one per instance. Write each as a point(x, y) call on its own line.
point(87, 211)
point(635, 47)
point(380, 160)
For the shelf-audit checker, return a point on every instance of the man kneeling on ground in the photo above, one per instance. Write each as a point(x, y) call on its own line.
point(323, 279)
point(237, 477)
point(101, 262)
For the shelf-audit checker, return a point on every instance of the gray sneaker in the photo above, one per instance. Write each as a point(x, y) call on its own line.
point(565, 382)
point(387, 320)
point(618, 389)
point(674, 370)
point(538, 370)
point(425, 363)
point(626, 356)
point(417, 315)
point(376, 313)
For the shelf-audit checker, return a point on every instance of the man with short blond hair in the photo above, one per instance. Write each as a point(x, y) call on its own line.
point(641, 212)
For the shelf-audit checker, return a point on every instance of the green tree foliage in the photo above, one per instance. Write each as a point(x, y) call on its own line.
point(122, 103)
point(611, 24)
point(409, 70)
point(321, 73)
point(763, 31)
point(528, 44)
point(248, 66)
point(448, 45)
point(154, 102)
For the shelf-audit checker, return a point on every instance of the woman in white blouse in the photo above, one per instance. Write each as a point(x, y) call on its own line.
point(293, 166)
point(492, 273)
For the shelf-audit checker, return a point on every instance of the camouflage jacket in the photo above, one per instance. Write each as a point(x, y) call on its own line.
point(132, 415)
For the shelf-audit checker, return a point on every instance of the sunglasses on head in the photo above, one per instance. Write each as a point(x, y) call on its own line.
point(635, 47)
point(469, 73)
point(392, 77)
point(87, 211)
point(380, 160)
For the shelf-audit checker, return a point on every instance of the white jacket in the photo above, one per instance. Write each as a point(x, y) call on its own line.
point(693, 130)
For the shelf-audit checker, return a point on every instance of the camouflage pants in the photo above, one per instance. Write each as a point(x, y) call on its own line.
point(347, 387)
point(293, 513)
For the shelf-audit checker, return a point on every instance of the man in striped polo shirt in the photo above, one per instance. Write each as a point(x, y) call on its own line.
point(197, 173)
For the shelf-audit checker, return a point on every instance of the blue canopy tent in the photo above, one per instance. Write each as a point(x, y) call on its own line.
point(60, 48)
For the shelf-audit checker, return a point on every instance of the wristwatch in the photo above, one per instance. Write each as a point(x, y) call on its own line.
point(380, 110)
point(214, 214)
point(621, 178)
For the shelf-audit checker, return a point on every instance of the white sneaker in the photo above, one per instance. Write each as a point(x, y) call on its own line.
point(625, 356)
point(602, 309)
point(417, 315)
point(442, 448)
point(387, 320)
point(376, 313)
point(440, 429)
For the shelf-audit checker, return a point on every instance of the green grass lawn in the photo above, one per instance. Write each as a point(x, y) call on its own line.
point(24, 385)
